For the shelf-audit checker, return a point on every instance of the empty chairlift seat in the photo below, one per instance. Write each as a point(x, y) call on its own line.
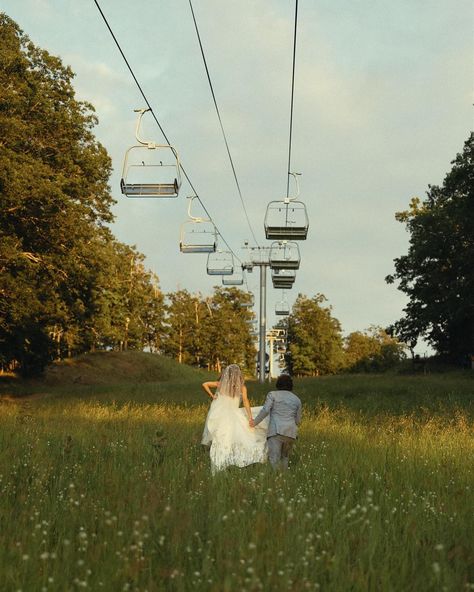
point(198, 235)
point(150, 169)
point(220, 263)
point(286, 220)
point(282, 308)
point(285, 275)
point(236, 279)
point(283, 278)
point(285, 255)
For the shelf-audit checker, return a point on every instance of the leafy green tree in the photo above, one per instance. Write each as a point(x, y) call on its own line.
point(54, 197)
point(183, 327)
point(373, 350)
point(228, 330)
point(314, 338)
point(66, 285)
point(437, 274)
point(209, 332)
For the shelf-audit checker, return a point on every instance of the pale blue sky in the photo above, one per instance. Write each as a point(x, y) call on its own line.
point(382, 105)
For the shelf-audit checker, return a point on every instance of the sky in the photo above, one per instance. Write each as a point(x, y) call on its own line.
point(383, 98)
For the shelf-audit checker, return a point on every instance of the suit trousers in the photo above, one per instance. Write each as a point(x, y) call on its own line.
point(279, 448)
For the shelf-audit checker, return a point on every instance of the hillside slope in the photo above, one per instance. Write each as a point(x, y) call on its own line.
point(108, 368)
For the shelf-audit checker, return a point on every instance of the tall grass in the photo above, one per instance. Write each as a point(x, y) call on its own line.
point(109, 489)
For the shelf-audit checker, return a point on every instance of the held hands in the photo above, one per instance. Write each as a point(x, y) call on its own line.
point(251, 422)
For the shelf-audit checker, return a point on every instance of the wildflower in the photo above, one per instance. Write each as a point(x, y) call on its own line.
point(436, 567)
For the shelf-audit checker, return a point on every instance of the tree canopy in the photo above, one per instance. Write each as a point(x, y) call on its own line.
point(437, 273)
point(314, 338)
point(66, 285)
point(373, 350)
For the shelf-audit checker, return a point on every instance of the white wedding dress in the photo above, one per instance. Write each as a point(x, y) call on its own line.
point(232, 441)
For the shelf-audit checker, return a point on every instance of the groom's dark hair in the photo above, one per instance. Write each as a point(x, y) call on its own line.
point(284, 383)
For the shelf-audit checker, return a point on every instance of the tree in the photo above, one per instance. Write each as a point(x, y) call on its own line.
point(209, 332)
point(373, 350)
point(66, 285)
point(437, 274)
point(314, 338)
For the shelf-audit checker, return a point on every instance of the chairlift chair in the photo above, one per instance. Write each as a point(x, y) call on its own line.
point(287, 219)
point(288, 275)
point(282, 308)
point(284, 255)
point(198, 235)
point(150, 169)
point(250, 302)
point(220, 263)
point(236, 279)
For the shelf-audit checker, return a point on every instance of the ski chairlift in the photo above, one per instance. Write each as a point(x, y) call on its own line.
point(282, 285)
point(282, 308)
point(287, 219)
point(150, 169)
point(198, 235)
point(220, 263)
point(251, 300)
point(284, 255)
point(236, 279)
point(284, 275)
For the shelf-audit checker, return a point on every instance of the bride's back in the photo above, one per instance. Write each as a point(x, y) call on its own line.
point(231, 382)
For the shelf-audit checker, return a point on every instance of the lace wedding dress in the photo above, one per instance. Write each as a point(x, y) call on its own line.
point(231, 440)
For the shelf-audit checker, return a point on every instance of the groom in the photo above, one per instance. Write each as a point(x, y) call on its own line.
point(284, 408)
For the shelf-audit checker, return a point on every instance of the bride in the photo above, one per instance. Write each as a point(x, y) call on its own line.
point(227, 429)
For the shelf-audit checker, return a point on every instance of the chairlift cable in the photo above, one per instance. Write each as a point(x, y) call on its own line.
point(292, 100)
point(220, 123)
point(158, 123)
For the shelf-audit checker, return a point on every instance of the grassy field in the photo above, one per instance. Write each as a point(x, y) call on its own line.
point(104, 486)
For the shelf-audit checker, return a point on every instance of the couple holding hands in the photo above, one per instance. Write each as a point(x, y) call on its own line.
point(241, 436)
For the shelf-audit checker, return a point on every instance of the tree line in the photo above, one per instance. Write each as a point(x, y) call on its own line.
point(316, 345)
point(68, 286)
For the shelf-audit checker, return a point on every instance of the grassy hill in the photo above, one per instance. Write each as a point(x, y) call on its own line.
point(114, 376)
point(111, 368)
point(144, 378)
point(105, 485)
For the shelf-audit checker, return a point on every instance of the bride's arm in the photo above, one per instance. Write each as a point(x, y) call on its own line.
point(207, 387)
point(245, 401)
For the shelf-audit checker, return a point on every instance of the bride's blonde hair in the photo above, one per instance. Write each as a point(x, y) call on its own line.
point(231, 381)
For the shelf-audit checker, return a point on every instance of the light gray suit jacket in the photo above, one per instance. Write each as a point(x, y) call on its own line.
point(284, 408)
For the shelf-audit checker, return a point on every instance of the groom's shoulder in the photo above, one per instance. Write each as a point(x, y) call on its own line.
point(286, 395)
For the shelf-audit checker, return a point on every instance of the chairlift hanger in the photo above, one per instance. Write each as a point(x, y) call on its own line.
point(150, 169)
point(287, 219)
point(197, 235)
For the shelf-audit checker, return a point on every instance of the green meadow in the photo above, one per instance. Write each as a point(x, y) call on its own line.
point(105, 486)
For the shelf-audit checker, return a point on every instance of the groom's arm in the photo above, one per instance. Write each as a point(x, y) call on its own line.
point(298, 415)
point(265, 409)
